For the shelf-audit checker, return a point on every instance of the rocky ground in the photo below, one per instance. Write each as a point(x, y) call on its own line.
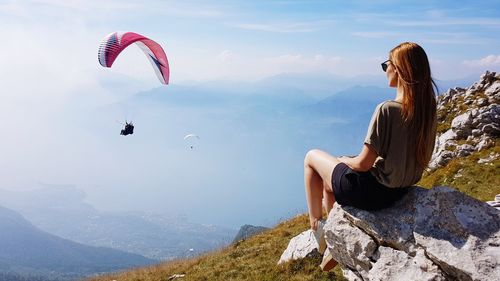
point(468, 120)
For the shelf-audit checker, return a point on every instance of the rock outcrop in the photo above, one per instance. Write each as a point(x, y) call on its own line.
point(248, 231)
point(437, 234)
point(301, 246)
point(475, 119)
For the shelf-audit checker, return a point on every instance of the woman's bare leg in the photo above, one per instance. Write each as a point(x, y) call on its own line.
point(328, 199)
point(318, 167)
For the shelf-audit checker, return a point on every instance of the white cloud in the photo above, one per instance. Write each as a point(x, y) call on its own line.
point(376, 34)
point(12, 8)
point(37, 66)
point(235, 66)
point(295, 63)
point(226, 56)
point(488, 61)
point(291, 27)
point(453, 41)
point(438, 38)
point(488, 22)
point(434, 13)
point(436, 61)
point(378, 59)
point(275, 28)
point(112, 9)
point(429, 18)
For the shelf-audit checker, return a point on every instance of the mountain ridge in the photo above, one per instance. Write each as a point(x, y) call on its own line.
point(26, 248)
point(61, 211)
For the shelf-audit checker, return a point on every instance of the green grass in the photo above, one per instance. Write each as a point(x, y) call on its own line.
point(252, 259)
point(481, 181)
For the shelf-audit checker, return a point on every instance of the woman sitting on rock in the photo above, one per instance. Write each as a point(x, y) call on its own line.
point(397, 148)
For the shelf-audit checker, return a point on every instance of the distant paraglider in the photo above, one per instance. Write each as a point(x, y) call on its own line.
point(128, 130)
point(192, 139)
point(113, 44)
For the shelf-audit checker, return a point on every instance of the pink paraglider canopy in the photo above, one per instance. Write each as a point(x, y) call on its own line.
point(113, 44)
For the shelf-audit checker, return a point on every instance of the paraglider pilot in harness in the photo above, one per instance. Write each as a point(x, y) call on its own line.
point(128, 130)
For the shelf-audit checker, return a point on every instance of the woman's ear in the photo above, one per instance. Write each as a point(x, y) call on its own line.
point(396, 73)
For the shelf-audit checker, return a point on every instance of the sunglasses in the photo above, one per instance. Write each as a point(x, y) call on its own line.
point(385, 64)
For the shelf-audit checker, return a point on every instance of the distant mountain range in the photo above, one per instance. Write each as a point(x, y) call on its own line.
point(27, 250)
point(60, 210)
point(353, 103)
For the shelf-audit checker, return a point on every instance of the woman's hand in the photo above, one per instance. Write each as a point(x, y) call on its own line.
point(344, 159)
point(349, 161)
point(361, 163)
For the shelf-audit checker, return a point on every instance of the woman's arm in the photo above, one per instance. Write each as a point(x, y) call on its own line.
point(363, 162)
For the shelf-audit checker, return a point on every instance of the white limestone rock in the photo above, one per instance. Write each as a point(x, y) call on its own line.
point(493, 90)
point(299, 247)
point(459, 235)
point(462, 125)
point(394, 265)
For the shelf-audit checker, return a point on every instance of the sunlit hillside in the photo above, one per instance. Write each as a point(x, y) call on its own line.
point(474, 163)
point(252, 259)
point(480, 181)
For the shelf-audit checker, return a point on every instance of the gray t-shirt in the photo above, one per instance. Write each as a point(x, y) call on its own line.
point(396, 164)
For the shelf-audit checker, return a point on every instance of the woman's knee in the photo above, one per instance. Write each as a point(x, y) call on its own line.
point(310, 155)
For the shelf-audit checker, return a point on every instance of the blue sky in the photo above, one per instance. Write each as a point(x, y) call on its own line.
point(49, 67)
point(248, 40)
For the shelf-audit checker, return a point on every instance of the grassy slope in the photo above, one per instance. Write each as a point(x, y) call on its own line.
point(481, 181)
point(251, 259)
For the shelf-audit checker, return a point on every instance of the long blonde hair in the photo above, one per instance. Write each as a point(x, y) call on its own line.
point(419, 97)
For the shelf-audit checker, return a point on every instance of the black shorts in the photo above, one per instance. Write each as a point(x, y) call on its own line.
point(362, 190)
